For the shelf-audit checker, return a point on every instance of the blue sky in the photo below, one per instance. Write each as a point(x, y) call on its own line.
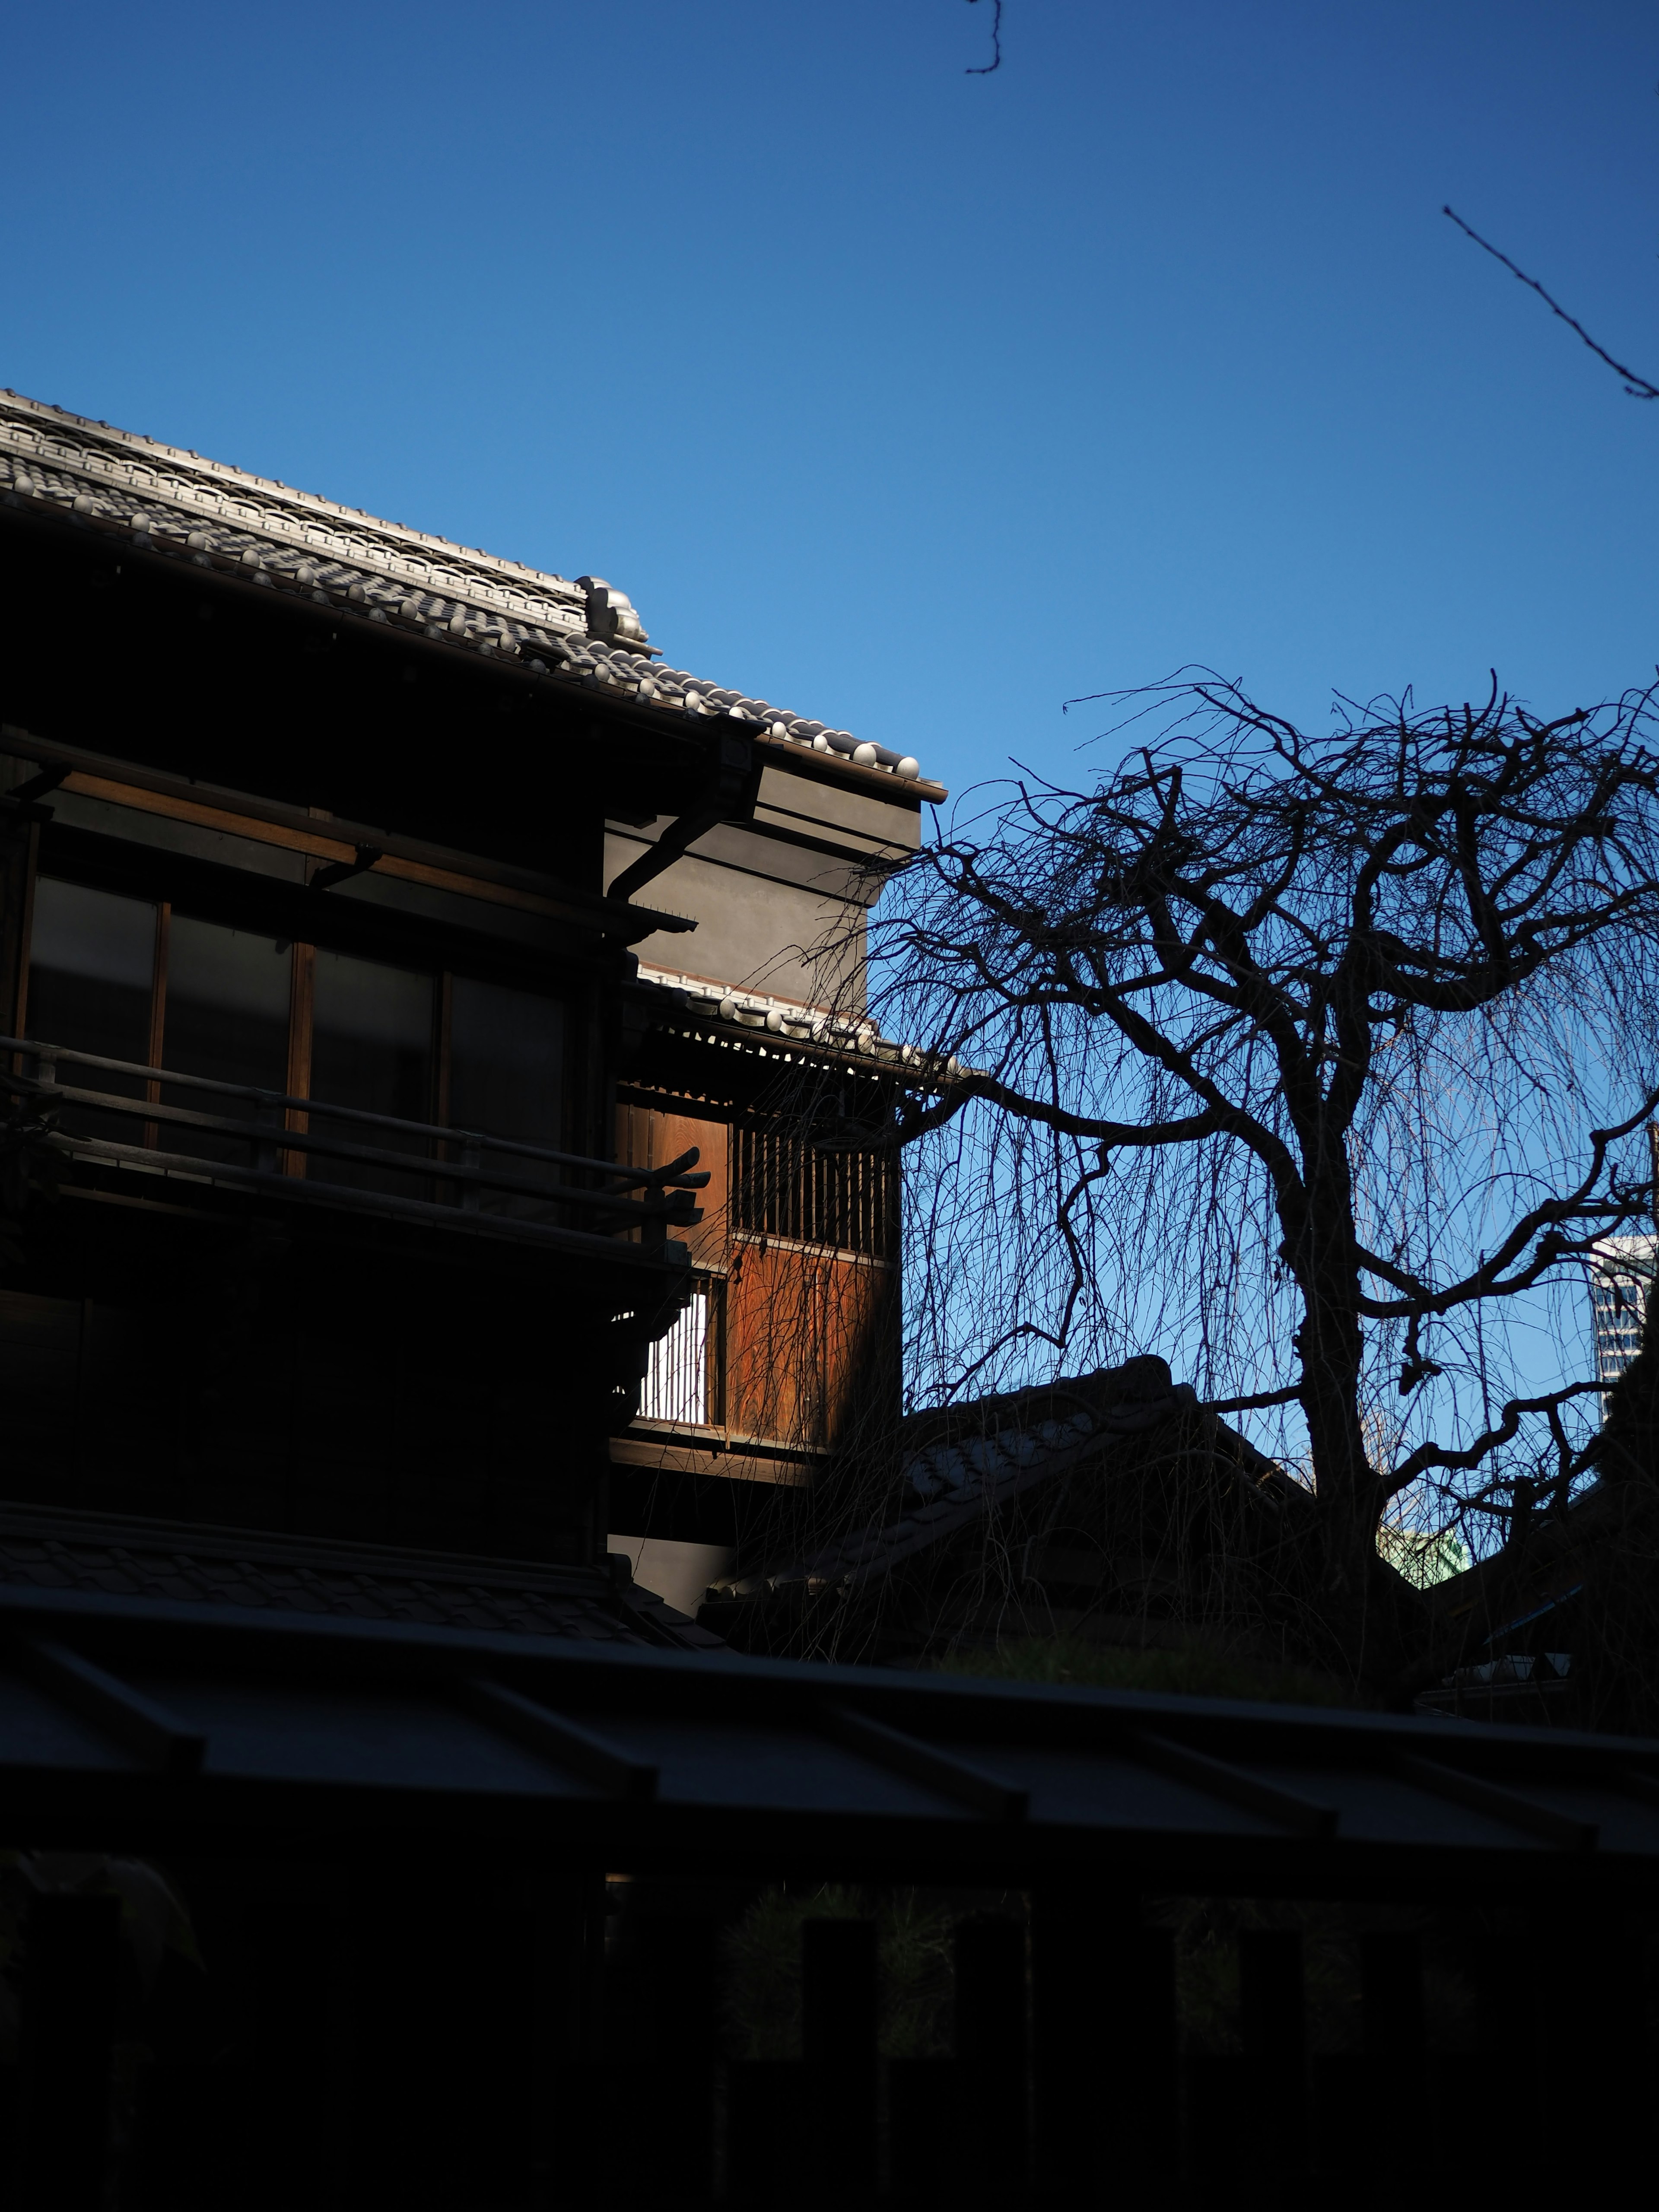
point(915, 400)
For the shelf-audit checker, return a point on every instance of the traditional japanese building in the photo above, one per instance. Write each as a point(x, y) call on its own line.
point(383, 927)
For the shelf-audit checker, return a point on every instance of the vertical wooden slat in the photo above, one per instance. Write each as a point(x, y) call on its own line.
point(1615, 2072)
point(302, 997)
point(401, 2015)
point(924, 2159)
point(768, 2128)
point(679, 1980)
point(1070, 1980)
point(1139, 2101)
point(157, 1043)
point(1273, 2028)
point(447, 1194)
point(1391, 2010)
point(442, 2104)
point(1391, 1997)
point(1590, 2123)
point(991, 2051)
point(442, 1001)
point(68, 2028)
point(1351, 2086)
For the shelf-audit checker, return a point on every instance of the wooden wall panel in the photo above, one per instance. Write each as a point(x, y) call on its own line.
point(811, 1345)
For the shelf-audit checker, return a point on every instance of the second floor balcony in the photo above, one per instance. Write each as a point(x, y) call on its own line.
point(109, 1121)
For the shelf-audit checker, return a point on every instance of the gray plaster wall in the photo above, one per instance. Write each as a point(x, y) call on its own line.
point(770, 896)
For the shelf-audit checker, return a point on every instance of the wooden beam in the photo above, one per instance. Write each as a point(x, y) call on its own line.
point(1286, 1808)
point(142, 1726)
point(606, 1765)
point(935, 1769)
point(1561, 1829)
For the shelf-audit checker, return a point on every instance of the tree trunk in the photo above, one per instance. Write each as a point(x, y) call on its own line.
point(1345, 1584)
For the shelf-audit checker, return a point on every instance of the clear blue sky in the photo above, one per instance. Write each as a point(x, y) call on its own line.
point(915, 400)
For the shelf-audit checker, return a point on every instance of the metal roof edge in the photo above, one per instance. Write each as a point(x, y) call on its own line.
point(1297, 1728)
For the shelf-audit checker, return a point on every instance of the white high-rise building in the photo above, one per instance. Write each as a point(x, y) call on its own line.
point(1621, 1276)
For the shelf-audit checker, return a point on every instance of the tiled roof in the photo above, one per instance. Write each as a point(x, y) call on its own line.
point(170, 500)
point(974, 1459)
point(61, 1551)
point(788, 1018)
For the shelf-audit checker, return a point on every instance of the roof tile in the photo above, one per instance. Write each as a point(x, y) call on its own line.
point(172, 500)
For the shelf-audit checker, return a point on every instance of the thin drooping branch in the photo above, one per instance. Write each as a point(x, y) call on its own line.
point(1638, 386)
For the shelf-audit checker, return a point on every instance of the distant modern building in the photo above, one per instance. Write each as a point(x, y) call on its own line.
point(1620, 1281)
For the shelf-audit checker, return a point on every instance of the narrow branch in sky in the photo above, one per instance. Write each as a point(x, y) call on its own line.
point(995, 62)
point(1638, 386)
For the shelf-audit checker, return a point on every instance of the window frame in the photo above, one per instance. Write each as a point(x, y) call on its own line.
point(788, 1209)
point(710, 1284)
point(301, 1007)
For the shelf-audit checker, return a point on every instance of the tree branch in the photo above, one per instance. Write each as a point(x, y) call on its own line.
point(1637, 386)
point(1456, 1461)
point(995, 62)
point(1287, 1396)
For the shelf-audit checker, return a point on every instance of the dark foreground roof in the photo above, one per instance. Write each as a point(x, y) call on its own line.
point(99, 1553)
point(155, 1725)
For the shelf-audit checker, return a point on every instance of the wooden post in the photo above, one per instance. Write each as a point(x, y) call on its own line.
point(991, 2044)
point(925, 2161)
point(679, 1989)
point(1353, 2090)
point(1140, 2103)
point(492, 2063)
point(387, 2152)
point(1071, 2041)
point(405, 2025)
point(1391, 1998)
point(1589, 2128)
point(1273, 2028)
point(838, 2043)
point(769, 2133)
point(68, 2029)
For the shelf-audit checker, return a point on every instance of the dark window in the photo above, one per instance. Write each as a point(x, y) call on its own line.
point(507, 1076)
point(91, 962)
point(371, 1048)
point(784, 1186)
point(138, 982)
point(227, 996)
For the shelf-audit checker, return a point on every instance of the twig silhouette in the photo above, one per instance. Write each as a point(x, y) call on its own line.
point(995, 62)
point(1638, 386)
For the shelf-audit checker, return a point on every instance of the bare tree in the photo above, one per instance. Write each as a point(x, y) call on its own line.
point(1316, 1062)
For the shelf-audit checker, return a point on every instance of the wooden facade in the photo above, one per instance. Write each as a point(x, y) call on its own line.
point(792, 1333)
point(350, 1092)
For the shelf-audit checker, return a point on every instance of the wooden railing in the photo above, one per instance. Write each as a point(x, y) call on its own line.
point(463, 1165)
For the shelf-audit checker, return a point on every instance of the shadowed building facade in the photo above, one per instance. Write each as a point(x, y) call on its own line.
point(382, 927)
